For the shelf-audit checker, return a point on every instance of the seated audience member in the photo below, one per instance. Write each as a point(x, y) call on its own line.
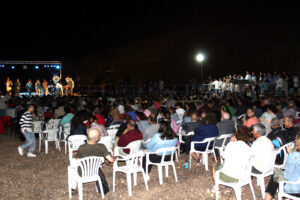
point(77, 126)
point(92, 148)
point(236, 157)
point(180, 111)
point(187, 117)
point(152, 129)
point(173, 124)
point(68, 116)
point(268, 116)
point(252, 119)
point(130, 111)
point(288, 134)
point(142, 122)
point(101, 128)
point(291, 173)
point(113, 118)
point(174, 115)
point(123, 126)
point(165, 137)
point(131, 134)
point(189, 127)
point(275, 129)
point(203, 131)
point(290, 111)
point(261, 150)
point(99, 118)
point(225, 126)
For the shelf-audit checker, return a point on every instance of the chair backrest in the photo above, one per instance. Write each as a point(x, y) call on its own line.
point(283, 150)
point(209, 141)
point(134, 146)
point(50, 124)
point(107, 141)
point(132, 160)
point(190, 133)
point(37, 126)
point(164, 151)
point(56, 123)
point(51, 134)
point(112, 132)
point(116, 126)
point(67, 129)
point(224, 138)
point(90, 166)
point(74, 142)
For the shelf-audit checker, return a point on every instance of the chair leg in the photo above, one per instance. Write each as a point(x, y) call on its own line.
point(114, 180)
point(46, 146)
point(101, 188)
point(128, 176)
point(238, 193)
point(217, 189)
point(215, 156)
point(167, 170)
point(80, 191)
point(65, 147)
point(160, 176)
point(190, 160)
point(40, 144)
point(205, 161)
point(144, 176)
point(252, 190)
point(176, 156)
point(174, 171)
point(69, 184)
point(135, 179)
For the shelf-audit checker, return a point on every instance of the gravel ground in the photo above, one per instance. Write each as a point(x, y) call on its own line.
point(45, 177)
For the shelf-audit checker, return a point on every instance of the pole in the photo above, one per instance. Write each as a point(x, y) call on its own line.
point(201, 65)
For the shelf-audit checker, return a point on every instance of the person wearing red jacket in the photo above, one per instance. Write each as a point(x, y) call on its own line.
point(130, 134)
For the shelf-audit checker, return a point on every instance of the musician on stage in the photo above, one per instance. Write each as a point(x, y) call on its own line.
point(69, 86)
point(45, 86)
point(72, 86)
point(9, 85)
point(29, 87)
point(38, 87)
point(59, 89)
point(17, 87)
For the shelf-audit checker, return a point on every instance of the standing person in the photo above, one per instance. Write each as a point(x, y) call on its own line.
point(45, 86)
point(9, 85)
point(38, 87)
point(26, 129)
point(17, 87)
point(29, 87)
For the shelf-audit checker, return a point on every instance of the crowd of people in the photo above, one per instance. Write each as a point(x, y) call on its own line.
point(259, 124)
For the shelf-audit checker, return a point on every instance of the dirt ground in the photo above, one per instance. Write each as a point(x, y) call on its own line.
point(45, 177)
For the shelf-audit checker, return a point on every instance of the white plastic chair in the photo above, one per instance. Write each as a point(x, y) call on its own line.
point(282, 193)
point(133, 147)
point(65, 130)
point(163, 163)
point(37, 126)
point(89, 173)
point(56, 123)
point(49, 136)
point(205, 153)
point(116, 126)
point(112, 132)
point(107, 141)
point(180, 134)
point(261, 177)
point(283, 151)
point(74, 142)
point(237, 186)
point(225, 138)
point(133, 166)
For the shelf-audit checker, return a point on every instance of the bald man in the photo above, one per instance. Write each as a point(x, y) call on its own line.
point(92, 148)
point(225, 126)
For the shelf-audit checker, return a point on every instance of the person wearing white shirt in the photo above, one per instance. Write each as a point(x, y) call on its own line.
point(279, 84)
point(296, 83)
point(216, 84)
point(248, 76)
point(180, 111)
point(236, 157)
point(261, 150)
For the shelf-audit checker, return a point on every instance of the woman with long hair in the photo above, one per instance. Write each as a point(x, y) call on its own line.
point(114, 117)
point(252, 119)
point(165, 137)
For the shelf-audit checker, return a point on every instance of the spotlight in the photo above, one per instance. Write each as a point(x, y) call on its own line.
point(36, 67)
point(12, 67)
point(57, 67)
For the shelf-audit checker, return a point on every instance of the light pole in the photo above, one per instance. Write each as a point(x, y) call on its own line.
point(200, 58)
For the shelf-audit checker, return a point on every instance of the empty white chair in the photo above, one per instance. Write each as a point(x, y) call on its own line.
point(133, 147)
point(282, 193)
point(133, 166)
point(261, 177)
point(226, 138)
point(163, 163)
point(74, 142)
point(205, 153)
point(89, 168)
point(237, 186)
point(112, 133)
point(37, 126)
point(107, 141)
point(50, 135)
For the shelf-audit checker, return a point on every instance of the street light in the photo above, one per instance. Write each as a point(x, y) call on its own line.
point(200, 58)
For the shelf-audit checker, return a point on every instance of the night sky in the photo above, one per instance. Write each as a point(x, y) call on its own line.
point(235, 37)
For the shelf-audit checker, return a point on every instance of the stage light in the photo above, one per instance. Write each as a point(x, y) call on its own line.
point(12, 67)
point(57, 67)
point(36, 67)
point(200, 57)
